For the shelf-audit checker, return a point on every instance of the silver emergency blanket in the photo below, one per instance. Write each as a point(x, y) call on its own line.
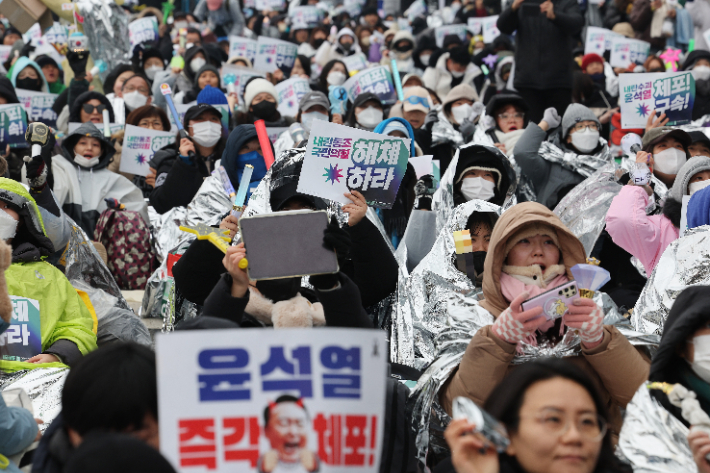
point(44, 388)
point(660, 190)
point(582, 164)
point(165, 229)
point(87, 272)
point(652, 439)
point(685, 263)
point(583, 210)
point(701, 122)
point(443, 199)
point(444, 132)
point(106, 29)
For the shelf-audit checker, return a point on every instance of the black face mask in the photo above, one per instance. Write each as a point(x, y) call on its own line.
point(598, 78)
point(479, 257)
point(317, 43)
point(29, 84)
point(278, 290)
point(264, 110)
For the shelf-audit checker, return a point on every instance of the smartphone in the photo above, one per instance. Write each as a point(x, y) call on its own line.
point(554, 302)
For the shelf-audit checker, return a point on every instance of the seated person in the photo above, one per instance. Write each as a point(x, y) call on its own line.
point(530, 252)
point(700, 145)
point(66, 326)
point(508, 111)
point(27, 75)
point(135, 92)
point(82, 180)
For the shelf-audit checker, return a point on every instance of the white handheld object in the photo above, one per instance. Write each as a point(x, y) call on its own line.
point(36, 150)
point(107, 127)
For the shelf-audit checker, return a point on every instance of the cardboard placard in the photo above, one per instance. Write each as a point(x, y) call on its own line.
point(598, 40)
point(23, 339)
point(443, 31)
point(272, 54)
point(672, 93)
point(340, 159)
point(143, 30)
point(242, 47)
point(290, 92)
point(38, 106)
point(323, 388)
point(238, 76)
point(377, 80)
point(13, 124)
point(139, 147)
point(356, 62)
point(625, 51)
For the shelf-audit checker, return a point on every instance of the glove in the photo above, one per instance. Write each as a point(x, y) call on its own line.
point(551, 117)
point(27, 49)
point(36, 172)
point(476, 112)
point(337, 239)
point(324, 281)
point(77, 62)
point(431, 118)
point(585, 316)
point(514, 325)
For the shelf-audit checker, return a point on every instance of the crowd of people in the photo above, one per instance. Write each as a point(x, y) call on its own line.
point(526, 155)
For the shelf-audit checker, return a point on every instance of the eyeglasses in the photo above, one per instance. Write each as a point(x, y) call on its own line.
point(590, 426)
point(508, 116)
point(88, 108)
point(416, 100)
point(591, 126)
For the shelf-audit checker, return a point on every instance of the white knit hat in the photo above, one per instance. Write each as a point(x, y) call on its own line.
point(257, 86)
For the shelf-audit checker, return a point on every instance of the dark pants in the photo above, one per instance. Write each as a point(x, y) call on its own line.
point(538, 100)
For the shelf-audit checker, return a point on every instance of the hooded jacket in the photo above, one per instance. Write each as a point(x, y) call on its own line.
point(643, 236)
point(615, 366)
point(327, 52)
point(182, 82)
point(235, 163)
point(439, 79)
point(486, 157)
point(75, 108)
point(191, 95)
point(81, 191)
point(701, 106)
point(7, 90)
point(19, 65)
point(68, 329)
point(227, 20)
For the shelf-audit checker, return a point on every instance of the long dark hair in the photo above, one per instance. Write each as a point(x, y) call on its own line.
point(507, 398)
point(323, 79)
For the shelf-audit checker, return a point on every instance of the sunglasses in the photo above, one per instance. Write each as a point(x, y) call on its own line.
point(88, 108)
point(416, 100)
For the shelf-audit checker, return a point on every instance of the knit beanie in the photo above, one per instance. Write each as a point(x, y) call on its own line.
point(212, 96)
point(529, 231)
point(699, 208)
point(257, 86)
point(576, 113)
point(590, 59)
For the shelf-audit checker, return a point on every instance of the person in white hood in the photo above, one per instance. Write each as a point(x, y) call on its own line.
point(345, 45)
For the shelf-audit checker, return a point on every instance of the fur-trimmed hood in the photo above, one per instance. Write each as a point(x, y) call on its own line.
point(292, 313)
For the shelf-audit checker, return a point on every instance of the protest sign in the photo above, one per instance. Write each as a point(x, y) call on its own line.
point(292, 399)
point(4, 52)
point(354, 7)
point(56, 34)
point(475, 25)
point(272, 54)
point(23, 338)
point(33, 34)
point(13, 123)
point(490, 29)
point(113, 127)
point(422, 165)
point(418, 8)
point(598, 40)
point(38, 106)
point(340, 159)
point(377, 80)
point(139, 147)
point(289, 94)
point(274, 5)
point(356, 62)
point(242, 47)
point(442, 31)
point(238, 76)
point(304, 17)
point(143, 30)
point(672, 93)
point(626, 51)
point(274, 132)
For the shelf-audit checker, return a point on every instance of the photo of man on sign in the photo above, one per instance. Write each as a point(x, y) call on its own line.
point(286, 425)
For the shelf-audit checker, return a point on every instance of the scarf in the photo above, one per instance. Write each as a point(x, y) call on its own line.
point(583, 164)
point(509, 139)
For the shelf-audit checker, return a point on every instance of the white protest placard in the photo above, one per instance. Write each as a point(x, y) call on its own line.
point(290, 400)
point(4, 52)
point(308, 16)
point(143, 30)
point(672, 93)
point(238, 76)
point(56, 34)
point(275, 5)
point(595, 42)
point(625, 51)
point(354, 7)
point(418, 8)
point(274, 132)
point(475, 25)
point(33, 34)
point(340, 159)
point(377, 80)
point(242, 47)
point(443, 31)
point(139, 147)
point(290, 93)
point(356, 62)
point(38, 106)
point(422, 165)
point(272, 54)
point(113, 127)
point(490, 29)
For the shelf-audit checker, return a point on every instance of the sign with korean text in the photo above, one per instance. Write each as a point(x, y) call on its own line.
point(275, 5)
point(308, 16)
point(290, 400)
point(418, 8)
point(354, 7)
point(598, 40)
point(23, 338)
point(143, 30)
point(489, 28)
point(56, 34)
point(377, 80)
point(672, 93)
point(239, 76)
point(356, 62)
point(139, 147)
point(38, 106)
point(13, 123)
point(4, 52)
point(341, 159)
point(274, 132)
point(625, 51)
point(443, 31)
point(272, 54)
point(290, 93)
point(242, 47)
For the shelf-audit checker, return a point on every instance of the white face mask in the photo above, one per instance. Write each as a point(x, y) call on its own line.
point(197, 63)
point(86, 162)
point(370, 117)
point(335, 78)
point(669, 161)
point(307, 119)
point(134, 100)
point(696, 186)
point(477, 188)
point(461, 112)
point(585, 141)
point(206, 133)
point(701, 72)
point(8, 226)
point(701, 357)
point(457, 74)
point(152, 71)
point(424, 58)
